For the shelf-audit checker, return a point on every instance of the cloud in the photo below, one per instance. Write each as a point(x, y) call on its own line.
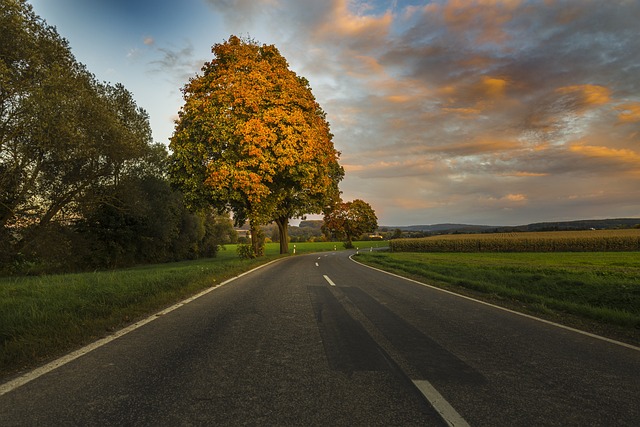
point(242, 12)
point(354, 26)
point(608, 160)
point(481, 110)
point(176, 63)
point(629, 113)
point(581, 97)
point(482, 21)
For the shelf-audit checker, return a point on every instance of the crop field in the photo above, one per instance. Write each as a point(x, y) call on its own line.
point(553, 241)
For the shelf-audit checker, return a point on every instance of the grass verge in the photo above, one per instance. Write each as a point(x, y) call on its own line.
point(599, 292)
point(45, 316)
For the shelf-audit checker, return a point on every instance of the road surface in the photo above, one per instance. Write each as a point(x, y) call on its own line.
point(321, 340)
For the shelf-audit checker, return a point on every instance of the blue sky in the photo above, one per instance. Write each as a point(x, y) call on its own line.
point(497, 112)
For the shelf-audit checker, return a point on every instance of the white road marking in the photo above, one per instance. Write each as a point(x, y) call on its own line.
point(439, 403)
point(32, 375)
point(317, 265)
point(328, 280)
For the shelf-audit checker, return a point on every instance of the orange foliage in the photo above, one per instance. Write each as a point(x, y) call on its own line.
point(257, 136)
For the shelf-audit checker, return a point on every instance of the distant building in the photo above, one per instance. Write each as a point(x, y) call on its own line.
point(246, 234)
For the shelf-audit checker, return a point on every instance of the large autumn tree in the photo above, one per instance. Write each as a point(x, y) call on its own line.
point(251, 138)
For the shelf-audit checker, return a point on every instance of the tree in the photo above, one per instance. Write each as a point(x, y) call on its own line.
point(81, 183)
point(348, 220)
point(63, 135)
point(252, 139)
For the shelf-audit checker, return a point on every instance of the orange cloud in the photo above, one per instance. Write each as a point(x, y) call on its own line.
point(364, 66)
point(515, 197)
point(485, 17)
point(347, 23)
point(589, 94)
point(465, 111)
point(475, 97)
point(523, 174)
point(399, 99)
point(629, 112)
point(493, 87)
point(594, 151)
point(510, 198)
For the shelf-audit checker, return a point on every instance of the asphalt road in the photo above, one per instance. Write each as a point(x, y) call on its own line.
point(321, 340)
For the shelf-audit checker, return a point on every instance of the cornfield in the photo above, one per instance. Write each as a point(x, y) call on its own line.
point(552, 241)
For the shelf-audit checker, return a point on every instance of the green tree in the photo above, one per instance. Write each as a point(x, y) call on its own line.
point(252, 139)
point(397, 234)
point(347, 220)
point(63, 135)
point(81, 183)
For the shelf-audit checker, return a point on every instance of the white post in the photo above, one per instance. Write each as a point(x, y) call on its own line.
point(294, 249)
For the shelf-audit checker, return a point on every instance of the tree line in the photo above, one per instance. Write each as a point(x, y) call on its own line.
point(82, 185)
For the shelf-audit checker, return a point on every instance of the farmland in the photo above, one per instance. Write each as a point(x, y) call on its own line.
point(555, 241)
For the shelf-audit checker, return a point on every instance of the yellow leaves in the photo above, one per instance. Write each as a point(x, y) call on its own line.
point(268, 143)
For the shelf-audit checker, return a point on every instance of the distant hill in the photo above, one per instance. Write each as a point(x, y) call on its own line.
point(586, 224)
point(437, 228)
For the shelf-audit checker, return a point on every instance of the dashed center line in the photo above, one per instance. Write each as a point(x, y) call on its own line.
point(317, 265)
point(328, 280)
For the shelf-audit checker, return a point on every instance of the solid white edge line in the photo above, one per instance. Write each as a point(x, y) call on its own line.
point(328, 280)
point(528, 316)
point(440, 404)
point(32, 375)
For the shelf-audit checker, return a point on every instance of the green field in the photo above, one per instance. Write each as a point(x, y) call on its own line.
point(600, 287)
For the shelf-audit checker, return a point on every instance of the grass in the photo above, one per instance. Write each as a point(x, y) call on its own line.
point(597, 287)
point(45, 316)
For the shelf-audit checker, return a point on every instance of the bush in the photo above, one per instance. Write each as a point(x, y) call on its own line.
point(246, 251)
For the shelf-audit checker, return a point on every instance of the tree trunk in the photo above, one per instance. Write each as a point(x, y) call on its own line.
point(257, 240)
point(349, 241)
point(283, 231)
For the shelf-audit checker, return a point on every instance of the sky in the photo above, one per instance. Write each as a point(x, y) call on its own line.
point(493, 112)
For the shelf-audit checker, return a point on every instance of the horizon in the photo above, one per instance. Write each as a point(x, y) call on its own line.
point(298, 221)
